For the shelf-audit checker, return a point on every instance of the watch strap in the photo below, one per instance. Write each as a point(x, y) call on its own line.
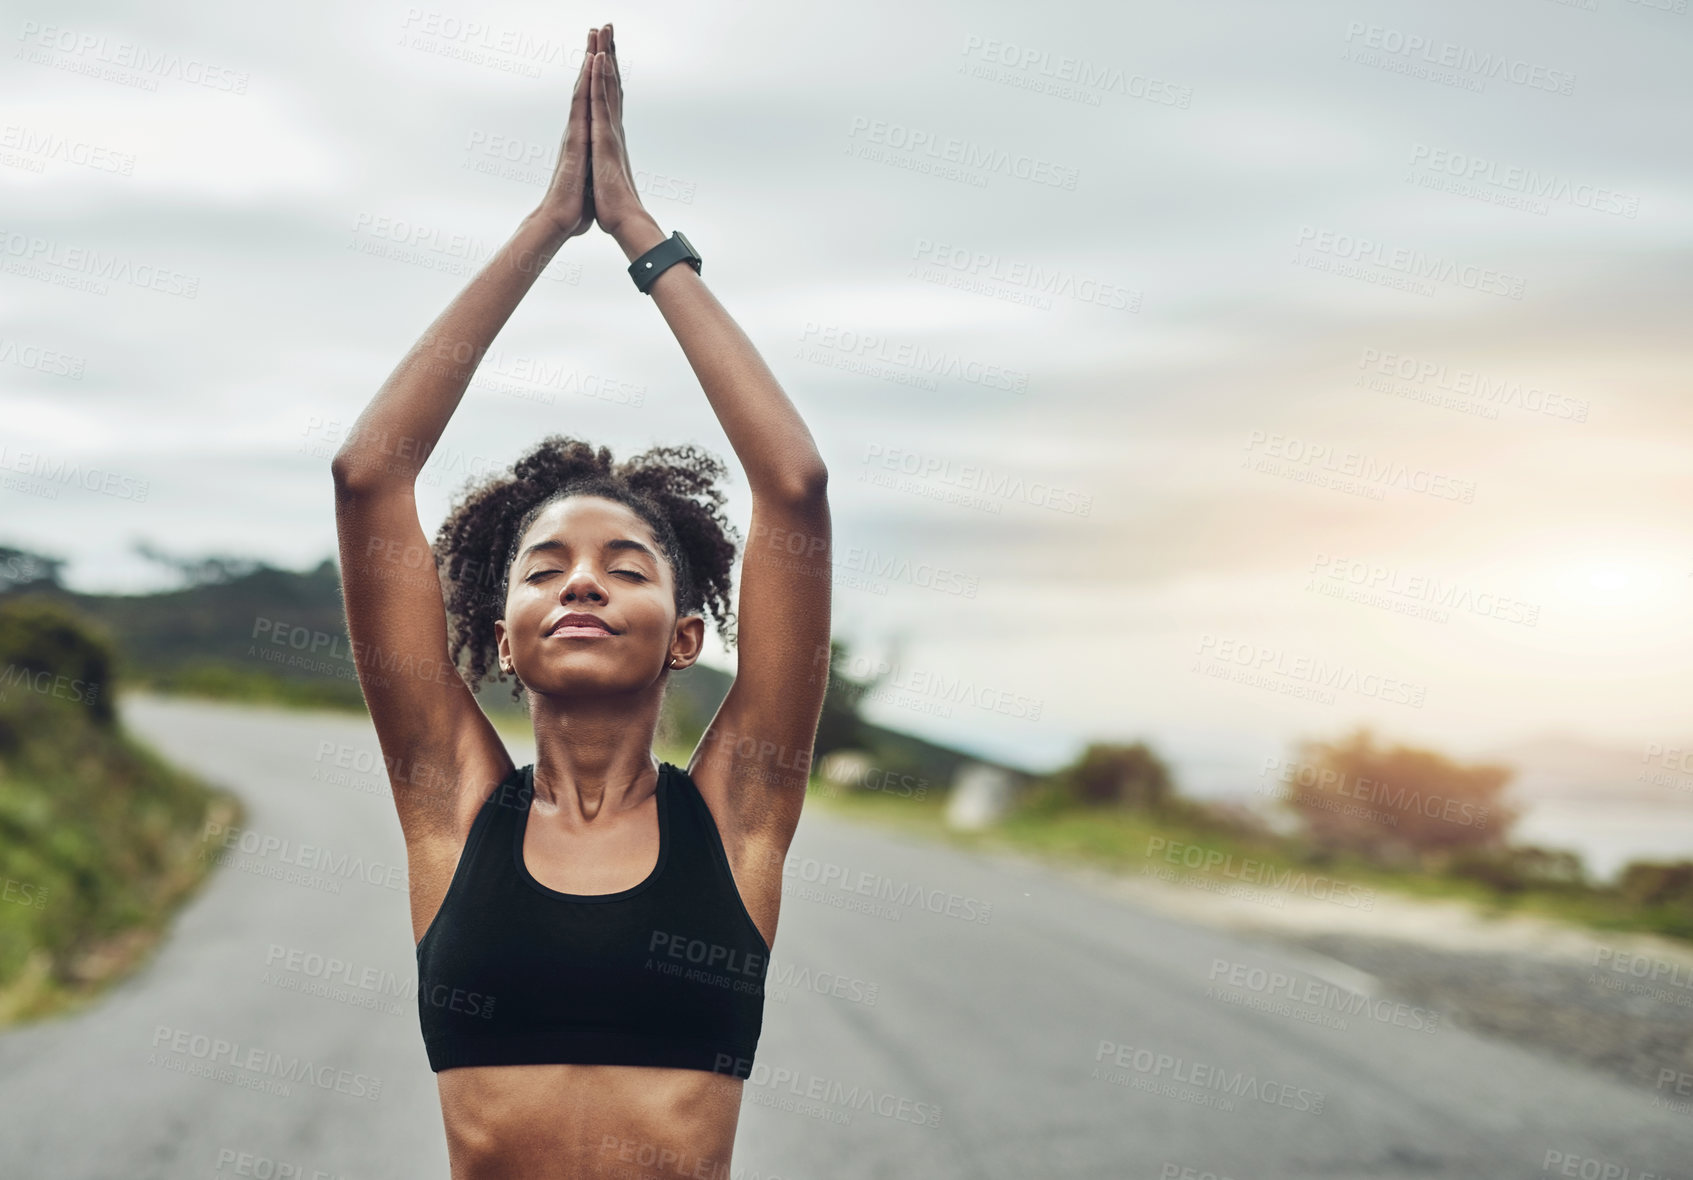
point(646, 269)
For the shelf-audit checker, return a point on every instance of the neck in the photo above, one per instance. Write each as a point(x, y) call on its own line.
point(594, 757)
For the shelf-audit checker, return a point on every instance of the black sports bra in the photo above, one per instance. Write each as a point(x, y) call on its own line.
point(669, 972)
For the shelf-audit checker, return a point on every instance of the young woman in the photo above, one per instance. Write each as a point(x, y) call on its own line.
point(592, 929)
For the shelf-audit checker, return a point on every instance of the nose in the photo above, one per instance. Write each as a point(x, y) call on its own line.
point(582, 584)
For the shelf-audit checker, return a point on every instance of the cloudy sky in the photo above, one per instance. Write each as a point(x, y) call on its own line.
point(1216, 373)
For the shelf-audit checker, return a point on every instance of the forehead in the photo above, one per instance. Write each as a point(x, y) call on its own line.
point(586, 520)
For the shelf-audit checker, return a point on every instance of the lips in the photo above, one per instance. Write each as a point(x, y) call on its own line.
point(577, 621)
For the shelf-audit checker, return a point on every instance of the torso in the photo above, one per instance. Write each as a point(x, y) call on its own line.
point(586, 1122)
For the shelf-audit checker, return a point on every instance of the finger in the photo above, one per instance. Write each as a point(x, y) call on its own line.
point(598, 111)
point(580, 91)
point(601, 83)
point(616, 83)
point(588, 56)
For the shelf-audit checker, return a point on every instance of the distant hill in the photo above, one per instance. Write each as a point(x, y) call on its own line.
point(210, 637)
point(1558, 766)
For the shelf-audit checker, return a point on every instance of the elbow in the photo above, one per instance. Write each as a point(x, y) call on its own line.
point(809, 485)
point(351, 477)
point(342, 471)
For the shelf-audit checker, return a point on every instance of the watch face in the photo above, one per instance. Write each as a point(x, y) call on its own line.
point(686, 244)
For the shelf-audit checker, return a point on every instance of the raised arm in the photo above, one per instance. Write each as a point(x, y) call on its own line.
point(753, 762)
point(430, 727)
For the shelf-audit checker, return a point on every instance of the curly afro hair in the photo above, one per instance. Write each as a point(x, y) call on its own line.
point(673, 489)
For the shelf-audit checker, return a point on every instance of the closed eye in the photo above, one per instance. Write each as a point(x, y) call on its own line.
point(544, 573)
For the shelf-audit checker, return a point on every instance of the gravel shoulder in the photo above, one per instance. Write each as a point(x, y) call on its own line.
point(1617, 1002)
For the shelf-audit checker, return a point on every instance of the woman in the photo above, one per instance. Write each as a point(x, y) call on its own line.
point(593, 929)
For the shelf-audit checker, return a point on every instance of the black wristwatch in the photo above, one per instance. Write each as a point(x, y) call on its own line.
point(645, 269)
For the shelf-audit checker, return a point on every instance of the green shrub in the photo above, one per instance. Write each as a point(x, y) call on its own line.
point(1658, 883)
point(50, 651)
point(1111, 775)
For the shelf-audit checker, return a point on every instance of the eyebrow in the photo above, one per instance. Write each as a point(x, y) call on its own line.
point(616, 544)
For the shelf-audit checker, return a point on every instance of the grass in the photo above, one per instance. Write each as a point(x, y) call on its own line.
point(99, 848)
point(1128, 843)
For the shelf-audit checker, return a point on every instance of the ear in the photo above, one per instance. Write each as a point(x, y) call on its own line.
point(688, 642)
point(502, 641)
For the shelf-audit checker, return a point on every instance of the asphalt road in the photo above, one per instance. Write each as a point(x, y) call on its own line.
point(1021, 1026)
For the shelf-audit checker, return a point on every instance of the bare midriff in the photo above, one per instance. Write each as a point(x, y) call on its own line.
point(588, 1122)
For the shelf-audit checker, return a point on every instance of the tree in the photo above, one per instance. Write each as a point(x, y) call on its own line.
point(50, 650)
point(1398, 804)
point(21, 569)
point(839, 727)
point(1118, 775)
point(216, 570)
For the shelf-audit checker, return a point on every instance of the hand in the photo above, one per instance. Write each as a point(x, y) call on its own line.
point(616, 205)
point(569, 199)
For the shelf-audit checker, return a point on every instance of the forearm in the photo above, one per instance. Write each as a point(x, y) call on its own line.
point(398, 430)
point(766, 431)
